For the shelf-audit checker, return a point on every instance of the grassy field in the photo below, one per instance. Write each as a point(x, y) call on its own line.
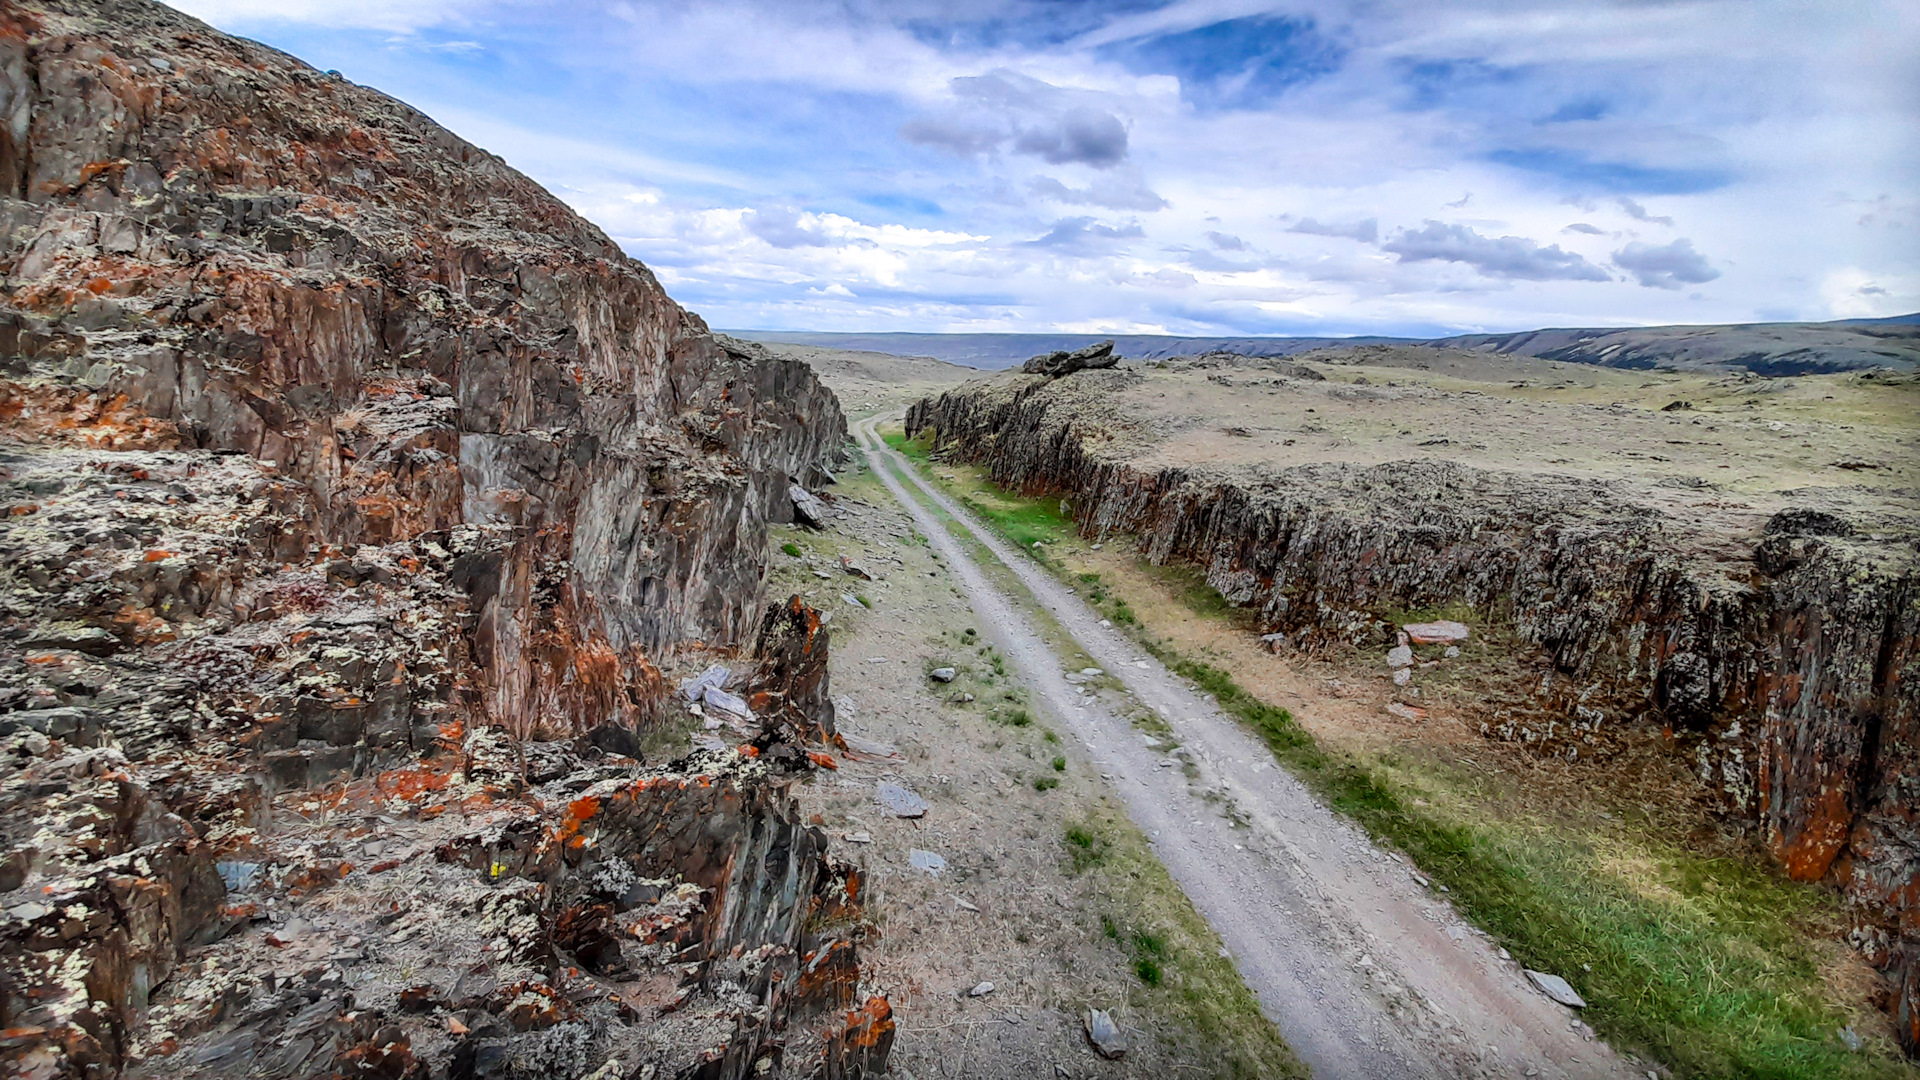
point(1711, 966)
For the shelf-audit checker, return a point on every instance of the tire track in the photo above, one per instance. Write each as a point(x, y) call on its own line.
point(1363, 971)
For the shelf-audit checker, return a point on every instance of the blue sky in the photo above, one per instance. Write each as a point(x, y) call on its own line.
point(1194, 166)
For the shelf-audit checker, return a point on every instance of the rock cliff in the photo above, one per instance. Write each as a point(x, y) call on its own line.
point(1787, 655)
point(356, 494)
point(259, 257)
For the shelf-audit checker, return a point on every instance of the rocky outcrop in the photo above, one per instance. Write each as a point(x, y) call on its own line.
point(1789, 665)
point(354, 494)
point(1056, 364)
point(263, 258)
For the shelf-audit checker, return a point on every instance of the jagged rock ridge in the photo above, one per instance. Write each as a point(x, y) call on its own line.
point(1795, 667)
point(356, 493)
point(280, 262)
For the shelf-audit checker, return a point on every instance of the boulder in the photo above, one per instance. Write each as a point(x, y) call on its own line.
point(1057, 364)
point(808, 510)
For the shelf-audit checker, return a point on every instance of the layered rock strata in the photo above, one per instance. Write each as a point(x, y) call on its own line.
point(1789, 657)
point(356, 493)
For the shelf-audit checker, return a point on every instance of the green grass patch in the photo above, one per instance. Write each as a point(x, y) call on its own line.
point(1086, 849)
point(1045, 783)
point(1059, 761)
point(1174, 954)
point(1703, 963)
point(1012, 717)
point(791, 548)
point(1022, 521)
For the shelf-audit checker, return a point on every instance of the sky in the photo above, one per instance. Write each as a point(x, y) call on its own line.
point(1195, 167)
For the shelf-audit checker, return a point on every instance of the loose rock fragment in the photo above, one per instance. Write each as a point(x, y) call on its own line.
point(932, 862)
point(942, 674)
point(1443, 632)
point(1556, 988)
point(860, 747)
point(807, 508)
point(716, 675)
point(716, 698)
point(980, 990)
point(900, 801)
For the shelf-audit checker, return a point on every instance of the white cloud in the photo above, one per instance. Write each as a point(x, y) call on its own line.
point(824, 163)
point(1665, 266)
point(1852, 293)
point(394, 16)
point(1510, 257)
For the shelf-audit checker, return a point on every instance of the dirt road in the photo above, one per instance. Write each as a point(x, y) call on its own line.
point(1363, 970)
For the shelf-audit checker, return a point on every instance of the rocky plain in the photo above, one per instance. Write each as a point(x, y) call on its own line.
point(1714, 564)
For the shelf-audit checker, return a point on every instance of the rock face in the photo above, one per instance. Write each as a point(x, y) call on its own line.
point(244, 254)
point(1056, 364)
point(354, 494)
point(1792, 666)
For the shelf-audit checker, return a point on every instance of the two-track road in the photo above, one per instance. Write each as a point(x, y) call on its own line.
point(1365, 972)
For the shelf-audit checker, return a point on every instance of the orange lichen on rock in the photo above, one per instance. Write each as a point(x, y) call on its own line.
point(79, 417)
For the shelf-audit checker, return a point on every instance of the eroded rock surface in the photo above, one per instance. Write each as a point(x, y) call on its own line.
point(1783, 646)
point(236, 252)
point(356, 493)
point(1066, 362)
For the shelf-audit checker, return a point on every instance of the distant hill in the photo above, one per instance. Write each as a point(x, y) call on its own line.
point(1763, 348)
point(1007, 350)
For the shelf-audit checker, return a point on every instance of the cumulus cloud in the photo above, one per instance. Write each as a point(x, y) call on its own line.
point(1040, 119)
point(1084, 233)
point(783, 229)
point(1511, 257)
point(1366, 230)
point(869, 123)
point(955, 136)
point(1667, 266)
point(1226, 241)
point(1112, 196)
point(1082, 136)
point(1639, 213)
